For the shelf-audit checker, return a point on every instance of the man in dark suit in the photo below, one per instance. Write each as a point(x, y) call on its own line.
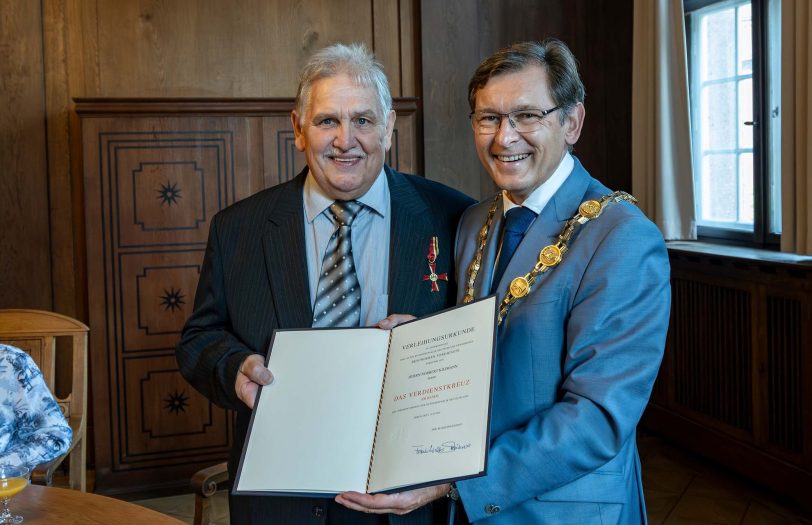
point(268, 258)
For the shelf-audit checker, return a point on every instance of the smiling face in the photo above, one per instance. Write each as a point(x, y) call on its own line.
point(520, 162)
point(344, 136)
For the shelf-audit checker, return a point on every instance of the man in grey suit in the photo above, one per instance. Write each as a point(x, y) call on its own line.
point(583, 280)
point(345, 243)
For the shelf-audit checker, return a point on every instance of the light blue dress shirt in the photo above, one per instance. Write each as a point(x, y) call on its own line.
point(370, 243)
point(32, 428)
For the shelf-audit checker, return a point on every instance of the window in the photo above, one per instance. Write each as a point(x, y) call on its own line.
point(734, 76)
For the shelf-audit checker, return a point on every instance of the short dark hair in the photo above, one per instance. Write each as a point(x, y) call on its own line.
point(552, 54)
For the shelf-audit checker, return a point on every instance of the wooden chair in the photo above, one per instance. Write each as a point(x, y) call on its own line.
point(35, 331)
point(204, 484)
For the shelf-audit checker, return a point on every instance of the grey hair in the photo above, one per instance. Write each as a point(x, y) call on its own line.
point(354, 60)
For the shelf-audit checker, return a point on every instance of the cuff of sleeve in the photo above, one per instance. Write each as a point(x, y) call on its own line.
point(232, 366)
point(479, 499)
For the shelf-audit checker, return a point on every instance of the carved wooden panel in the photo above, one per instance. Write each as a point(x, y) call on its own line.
point(173, 423)
point(152, 185)
point(155, 173)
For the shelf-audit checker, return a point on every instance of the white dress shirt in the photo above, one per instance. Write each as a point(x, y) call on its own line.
point(537, 200)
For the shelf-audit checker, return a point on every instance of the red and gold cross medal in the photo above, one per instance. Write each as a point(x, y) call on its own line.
point(433, 276)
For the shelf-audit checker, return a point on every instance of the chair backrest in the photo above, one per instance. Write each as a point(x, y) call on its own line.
point(35, 331)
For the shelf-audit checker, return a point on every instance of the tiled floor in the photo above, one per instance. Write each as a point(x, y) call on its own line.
point(680, 489)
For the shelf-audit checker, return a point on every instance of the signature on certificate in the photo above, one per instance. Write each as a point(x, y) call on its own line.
point(443, 448)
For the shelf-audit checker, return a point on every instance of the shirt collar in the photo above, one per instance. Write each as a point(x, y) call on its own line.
point(537, 200)
point(315, 201)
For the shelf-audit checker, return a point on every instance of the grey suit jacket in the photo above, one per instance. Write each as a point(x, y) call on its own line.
point(254, 280)
point(575, 363)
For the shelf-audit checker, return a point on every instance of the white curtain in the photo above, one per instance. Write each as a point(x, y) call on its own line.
point(796, 126)
point(662, 172)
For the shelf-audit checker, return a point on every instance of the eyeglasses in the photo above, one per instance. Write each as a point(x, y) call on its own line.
point(522, 120)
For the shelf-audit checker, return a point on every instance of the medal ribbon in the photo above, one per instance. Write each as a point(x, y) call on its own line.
point(434, 250)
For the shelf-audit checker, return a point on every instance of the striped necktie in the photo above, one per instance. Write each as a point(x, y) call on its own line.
point(338, 296)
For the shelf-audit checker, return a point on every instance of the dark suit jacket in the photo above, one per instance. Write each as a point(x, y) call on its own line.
point(254, 280)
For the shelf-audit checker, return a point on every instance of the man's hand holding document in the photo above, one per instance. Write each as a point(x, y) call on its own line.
point(371, 410)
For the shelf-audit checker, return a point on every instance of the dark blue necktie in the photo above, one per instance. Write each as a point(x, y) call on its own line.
point(516, 222)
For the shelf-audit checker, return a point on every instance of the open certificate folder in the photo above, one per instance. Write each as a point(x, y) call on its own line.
point(372, 410)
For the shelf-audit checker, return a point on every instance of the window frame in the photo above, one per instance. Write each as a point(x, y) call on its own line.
point(760, 237)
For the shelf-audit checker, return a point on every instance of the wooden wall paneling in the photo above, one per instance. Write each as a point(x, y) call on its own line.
point(386, 41)
point(451, 36)
point(599, 33)
point(406, 152)
point(409, 19)
point(139, 47)
point(66, 224)
point(152, 187)
point(458, 34)
point(219, 48)
point(25, 255)
point(65, 210)
point(604, 52)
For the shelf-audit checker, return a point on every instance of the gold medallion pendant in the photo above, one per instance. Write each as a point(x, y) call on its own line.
point(590, 209)
point(550, 255)
point(519, 287)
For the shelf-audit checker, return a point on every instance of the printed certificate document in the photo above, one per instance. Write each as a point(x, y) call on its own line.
point(373, 410)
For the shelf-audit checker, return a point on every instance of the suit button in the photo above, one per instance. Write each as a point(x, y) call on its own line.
point(492, 509)
point(318, 511)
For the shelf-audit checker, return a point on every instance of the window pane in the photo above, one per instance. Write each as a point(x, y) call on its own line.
point(718, 116)
point(717, 48)
point(745, 37)
point(746, 213)
point(719, 188)
point(723, 70)
point(745, 113)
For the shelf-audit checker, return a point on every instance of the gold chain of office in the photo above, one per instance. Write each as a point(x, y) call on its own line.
point(549, 257)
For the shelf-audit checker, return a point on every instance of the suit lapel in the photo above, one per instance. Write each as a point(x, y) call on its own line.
point(408, 244)
point(286, 258)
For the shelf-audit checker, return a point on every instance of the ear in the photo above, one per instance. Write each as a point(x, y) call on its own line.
point(300, 141)
point(574, 123)
point(390, 126)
